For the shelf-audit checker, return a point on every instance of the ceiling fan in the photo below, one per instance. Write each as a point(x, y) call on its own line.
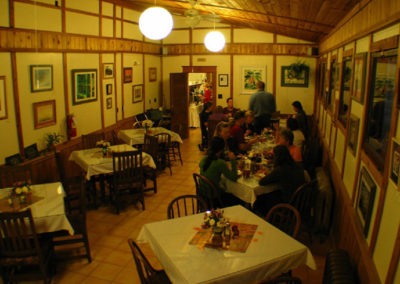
point(193, 16)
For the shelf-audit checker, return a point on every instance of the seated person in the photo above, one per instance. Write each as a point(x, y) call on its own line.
point(213, 166)
point(229, 110)
point(248, 126)
point(286, 138)
point(298, 136)
point(204, 115)
point(237, 133)
point(223, 130)
point(287, 176)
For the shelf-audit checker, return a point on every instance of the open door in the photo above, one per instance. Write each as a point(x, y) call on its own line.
point(178, 83)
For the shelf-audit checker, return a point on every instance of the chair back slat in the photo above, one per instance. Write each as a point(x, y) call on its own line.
point(206, 189)
point(285, 217)
point(185, 205)
point(89, 140)
point(12, 174)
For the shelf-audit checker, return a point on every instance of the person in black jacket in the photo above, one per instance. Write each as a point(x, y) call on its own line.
point(301, 117)
point(286, 176)
point(204, 115)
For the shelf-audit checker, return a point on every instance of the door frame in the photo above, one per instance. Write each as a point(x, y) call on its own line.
point(205, 69)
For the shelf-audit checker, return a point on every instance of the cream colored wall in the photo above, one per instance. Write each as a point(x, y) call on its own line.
point(135, 61)
point(390, 220)
point(36, 17)
point(27, 98)
point(8, 128)
point(88, 115)
point(286, 95)
point(152, 89)
point(109, 114)
point(340, 148)
point(4, 17)
point(252, 36)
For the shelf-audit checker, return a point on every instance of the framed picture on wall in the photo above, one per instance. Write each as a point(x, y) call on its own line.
point(223, 80)
point(395, 162)
point(44, 114)
point(108, 70)
point(3, 98)
point(291, 78)
point(152, 74)
point(353, 134)
point(127, 75)
point(109, 103)
point(84, 85)
point(360, 62)
point(250, 76)
point(365, 199)
point(137, 93)
point(41, 78)
point(109, 89)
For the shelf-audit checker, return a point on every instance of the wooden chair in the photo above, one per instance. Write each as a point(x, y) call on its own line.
point(89, 140)
point(164, 145)
point(285, 217)
point(22, 256)
point(147, 273)
point(303, 199)
point(75, 207)
point(207, 190)
point(150, 146)
point(127, 177)
point(12, 174)
point(185, 205)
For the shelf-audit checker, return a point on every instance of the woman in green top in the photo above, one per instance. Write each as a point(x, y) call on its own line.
point(213, 166)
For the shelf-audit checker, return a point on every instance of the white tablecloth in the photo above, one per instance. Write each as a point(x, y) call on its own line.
point(93, 162)
point(194, 112)
point(246, 189)
point(48, 212)
point(136, 136)
point(270, 253)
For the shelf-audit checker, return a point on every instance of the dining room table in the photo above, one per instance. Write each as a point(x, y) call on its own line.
point(94, 163)
point(46, 204)
point(135, 136)
point(258, 253)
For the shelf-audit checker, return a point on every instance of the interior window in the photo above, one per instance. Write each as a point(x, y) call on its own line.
point(344, 100)
point(380, 106)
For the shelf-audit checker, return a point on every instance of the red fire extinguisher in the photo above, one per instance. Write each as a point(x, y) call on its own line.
point(71, 126)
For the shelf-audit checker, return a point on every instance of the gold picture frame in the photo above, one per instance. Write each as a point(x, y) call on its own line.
point(44, 114)
point(137, 93)
point(152, 74)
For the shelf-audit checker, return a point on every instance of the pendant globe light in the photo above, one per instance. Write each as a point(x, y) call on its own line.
point(214, 41)
point(155, 23)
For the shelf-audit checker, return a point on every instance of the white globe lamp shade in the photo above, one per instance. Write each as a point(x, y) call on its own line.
point(155, 23)
point(214, 41)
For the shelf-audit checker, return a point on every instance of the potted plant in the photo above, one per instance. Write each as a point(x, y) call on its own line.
point(296, 70)
point(52, 139)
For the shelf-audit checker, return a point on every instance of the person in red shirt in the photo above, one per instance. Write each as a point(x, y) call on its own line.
point(237, 133)
point(286, 138)
point(207, 94)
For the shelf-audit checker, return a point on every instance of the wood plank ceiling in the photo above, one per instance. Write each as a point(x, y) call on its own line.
point(309, 20)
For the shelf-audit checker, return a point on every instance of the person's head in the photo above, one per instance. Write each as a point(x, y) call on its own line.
point(219, 109)
point(286, 137)
point(260, 85)
point(217, 145)
point(292, 124)
point(239, 117)
point(249, 116)
point(229, 102)
point(223, 130)
point(282, 156)
point(297, 106)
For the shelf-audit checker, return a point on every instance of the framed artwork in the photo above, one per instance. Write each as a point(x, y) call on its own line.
point(44, 114)
point(360, 62)
point(289, 78)
point(137, 93)
point(353, 133)
point(365, 200)
point(31, 151)
point(109, 89)
point(395, 162)
point(108, 70)
point(84, 87)
point(250, 76)
point(223, 80)
point(14, 160)
point(41, 78)
point(152, 74)
point(109, 103)
point(3, 98)
point(127, 74)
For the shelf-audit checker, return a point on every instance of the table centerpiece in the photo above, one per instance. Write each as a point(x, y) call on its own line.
point(20, 192)
point(104, 145)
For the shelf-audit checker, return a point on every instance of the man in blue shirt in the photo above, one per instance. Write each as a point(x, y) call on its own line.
point(263, 106)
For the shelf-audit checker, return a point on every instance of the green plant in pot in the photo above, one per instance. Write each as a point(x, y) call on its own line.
point(52, 139)
point(297, 70)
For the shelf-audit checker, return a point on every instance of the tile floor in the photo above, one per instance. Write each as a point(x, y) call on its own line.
point(108, 232)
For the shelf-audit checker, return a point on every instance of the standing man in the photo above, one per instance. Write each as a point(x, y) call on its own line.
point(263, 105)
